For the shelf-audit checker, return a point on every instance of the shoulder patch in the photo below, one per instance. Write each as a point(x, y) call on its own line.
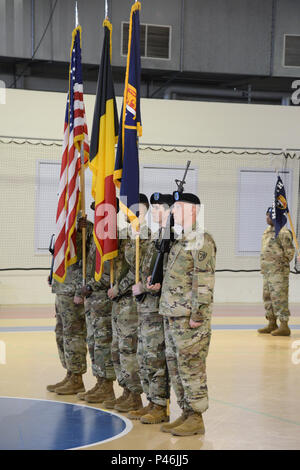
point(202, 255)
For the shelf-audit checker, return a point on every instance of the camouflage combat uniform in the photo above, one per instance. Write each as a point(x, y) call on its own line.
point(276, 255)
point(70, 326)
point(187, 293)
point(151, 342)
point(98, 318)
point(125, 319)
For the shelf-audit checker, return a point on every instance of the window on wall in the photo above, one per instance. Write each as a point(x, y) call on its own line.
point(153, 178)
point(47, 181)
point(255, 195)
point(155, 41)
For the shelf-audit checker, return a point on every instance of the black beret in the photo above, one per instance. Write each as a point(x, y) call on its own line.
point(269, 210)
point(186, 197)
point(92, 206)
point(144, 200)
point(159, 198)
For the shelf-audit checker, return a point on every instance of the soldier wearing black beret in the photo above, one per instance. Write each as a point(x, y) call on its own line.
point(186, 306)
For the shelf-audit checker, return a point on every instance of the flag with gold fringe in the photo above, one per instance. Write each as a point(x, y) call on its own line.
point(75, 136)
point(102, 159)
point(126, 173)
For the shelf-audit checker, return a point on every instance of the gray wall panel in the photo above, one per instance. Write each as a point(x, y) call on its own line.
point(57, 42)
point(231, 36)
point(287, 22)
point(220, 36)
point(15, 28)
point(157, 12)
point(42, 13)
point(91, 15)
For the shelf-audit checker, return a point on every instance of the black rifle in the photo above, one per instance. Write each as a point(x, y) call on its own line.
point(51, 249)
point(168, 235)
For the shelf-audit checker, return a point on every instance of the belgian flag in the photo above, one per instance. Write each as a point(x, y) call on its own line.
point(102, 159)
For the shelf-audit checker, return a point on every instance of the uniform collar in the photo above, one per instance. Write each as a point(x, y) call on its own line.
point(193, 237)
point(143, 233)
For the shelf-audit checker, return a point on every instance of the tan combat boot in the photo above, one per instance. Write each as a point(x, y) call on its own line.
point(283, 330)
point(104, 392)
point(157, 414)
point(133, 402)
point(72, 386)
point(110, 404)
point(82, 395)
point(140, 412)
point(270, 327)
point(168, 427)
point(192, 425)
point(51, 388)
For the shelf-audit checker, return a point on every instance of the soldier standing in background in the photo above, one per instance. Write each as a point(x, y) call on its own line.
point(186, 305)
point(151, 342)
point(70, 327)
point(99, 331)
point(275, 258)
point(125, 320)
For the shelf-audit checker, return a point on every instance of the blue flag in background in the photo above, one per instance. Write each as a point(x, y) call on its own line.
point(126, 173)
point(280, 206)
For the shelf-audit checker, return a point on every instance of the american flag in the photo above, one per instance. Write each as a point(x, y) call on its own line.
point(75, 132)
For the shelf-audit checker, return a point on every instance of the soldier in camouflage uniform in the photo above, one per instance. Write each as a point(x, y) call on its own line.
point(276, 255)
point(70, 327)
point(125, 321)
point(151, 342)
point(99, 331)
point(186, 305)
point(121, 268)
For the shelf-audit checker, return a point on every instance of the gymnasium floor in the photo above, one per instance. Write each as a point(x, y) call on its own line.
point(254, 384)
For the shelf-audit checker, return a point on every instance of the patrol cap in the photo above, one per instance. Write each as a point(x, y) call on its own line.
point(159, 198)
point(144, 200)
point(186, 197)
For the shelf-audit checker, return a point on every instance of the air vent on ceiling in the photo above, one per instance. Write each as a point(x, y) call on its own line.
point(292, 51)
point(154, 41)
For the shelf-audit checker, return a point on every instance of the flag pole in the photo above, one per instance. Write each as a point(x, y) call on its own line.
point(76, 15)
point(82, 188)
point(111, 261)
point(137, 243)
point(137, 259)
point(83, 214)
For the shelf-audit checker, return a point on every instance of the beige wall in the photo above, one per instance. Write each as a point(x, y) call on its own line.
point(39, 115)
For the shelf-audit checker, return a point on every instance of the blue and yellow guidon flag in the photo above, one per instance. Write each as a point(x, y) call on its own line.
point(126, 173)
point(280, 206)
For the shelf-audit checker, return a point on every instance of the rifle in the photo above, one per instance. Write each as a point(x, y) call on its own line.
point(167, 236)
point(51, 249)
